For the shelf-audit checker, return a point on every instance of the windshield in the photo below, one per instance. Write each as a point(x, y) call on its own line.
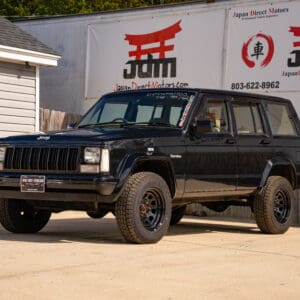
point(150, 109)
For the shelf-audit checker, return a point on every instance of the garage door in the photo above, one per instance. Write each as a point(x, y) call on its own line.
point(17, 99)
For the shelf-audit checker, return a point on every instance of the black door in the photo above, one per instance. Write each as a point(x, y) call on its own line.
point(253, 141)
point(212, 156)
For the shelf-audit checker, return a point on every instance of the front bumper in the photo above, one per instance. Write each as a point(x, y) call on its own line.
point(68, 188)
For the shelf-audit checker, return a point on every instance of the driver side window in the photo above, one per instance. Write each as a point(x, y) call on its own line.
point(216, 112)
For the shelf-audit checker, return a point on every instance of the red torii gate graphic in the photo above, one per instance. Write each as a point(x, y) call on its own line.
point(160, 37)
point(296, 62)
point(296, 32)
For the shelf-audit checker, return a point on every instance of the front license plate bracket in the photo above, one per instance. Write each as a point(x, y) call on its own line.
point(32, 183)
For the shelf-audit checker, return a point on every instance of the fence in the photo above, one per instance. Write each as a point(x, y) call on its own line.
point(55, 120)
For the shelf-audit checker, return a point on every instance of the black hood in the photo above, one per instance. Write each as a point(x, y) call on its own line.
point(92, 135)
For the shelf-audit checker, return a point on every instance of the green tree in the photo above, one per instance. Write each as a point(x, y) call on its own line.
point(63, 7)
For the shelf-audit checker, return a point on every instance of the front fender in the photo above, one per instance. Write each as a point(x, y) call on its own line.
point(130, 162)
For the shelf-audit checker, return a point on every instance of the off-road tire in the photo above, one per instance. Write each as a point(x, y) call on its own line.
point(274, 206)
point(99, 214)
point(177, 214)
point(18, 216)
point(133, 212)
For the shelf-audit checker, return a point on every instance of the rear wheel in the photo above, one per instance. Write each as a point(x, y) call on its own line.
point(18, 216)
point(143, 210)
point(177, 214)
point(273, 208)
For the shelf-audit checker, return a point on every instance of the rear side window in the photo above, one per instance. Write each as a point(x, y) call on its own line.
point(280, 120)
point(247, 117)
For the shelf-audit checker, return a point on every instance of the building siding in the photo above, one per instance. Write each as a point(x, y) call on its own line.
point(17, 99)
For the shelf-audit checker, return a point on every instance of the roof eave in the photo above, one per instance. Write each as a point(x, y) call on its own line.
point(31, 57)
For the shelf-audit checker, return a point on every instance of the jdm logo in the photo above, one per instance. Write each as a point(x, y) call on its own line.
point(145, 64)
point(258, 51)
point(296, 44)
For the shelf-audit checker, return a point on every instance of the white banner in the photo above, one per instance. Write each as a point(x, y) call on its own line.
point(182, 50)
point(263, 51)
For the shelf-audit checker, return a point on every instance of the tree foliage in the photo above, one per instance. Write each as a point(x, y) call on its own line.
point(64, 7)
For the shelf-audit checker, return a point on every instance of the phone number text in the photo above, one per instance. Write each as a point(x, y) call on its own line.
point(255, 85)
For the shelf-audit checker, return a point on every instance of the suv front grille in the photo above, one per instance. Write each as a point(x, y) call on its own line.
point(41, 159)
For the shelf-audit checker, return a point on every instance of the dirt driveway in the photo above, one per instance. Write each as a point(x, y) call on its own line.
point(75, 257)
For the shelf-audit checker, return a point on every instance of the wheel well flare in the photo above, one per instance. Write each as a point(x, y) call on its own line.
point(286, 171)
point(160, 167)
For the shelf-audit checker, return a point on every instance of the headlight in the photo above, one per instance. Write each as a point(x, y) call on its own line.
point(92, 155)
point(95, 160)
point(2, 153)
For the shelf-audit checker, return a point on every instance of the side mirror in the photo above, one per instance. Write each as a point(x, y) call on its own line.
point(72, 125)
point(202, 126)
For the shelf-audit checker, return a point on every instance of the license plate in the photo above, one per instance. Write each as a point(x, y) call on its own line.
point(33, 183)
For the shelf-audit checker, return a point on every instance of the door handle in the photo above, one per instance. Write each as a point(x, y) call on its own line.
point(231, 141)
point(265, 141)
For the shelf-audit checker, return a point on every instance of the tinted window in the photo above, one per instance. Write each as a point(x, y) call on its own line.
point(144, 112)
point(175, 114)
point(216, 111)
point(247, 117)
point(280, 121)
point(112, 111)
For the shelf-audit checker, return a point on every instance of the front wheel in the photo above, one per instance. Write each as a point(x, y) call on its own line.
point(18, 216)
point(273, 208)
point(143, 210)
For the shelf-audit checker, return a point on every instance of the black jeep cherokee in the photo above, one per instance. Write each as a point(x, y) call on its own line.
point(144, 155)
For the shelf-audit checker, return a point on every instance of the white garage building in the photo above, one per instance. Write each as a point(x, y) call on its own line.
point(21, 56)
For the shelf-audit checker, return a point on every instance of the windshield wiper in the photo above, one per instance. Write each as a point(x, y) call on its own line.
point(136, 124)
point(104, 124)
point(162, 124)
point(149, 124)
